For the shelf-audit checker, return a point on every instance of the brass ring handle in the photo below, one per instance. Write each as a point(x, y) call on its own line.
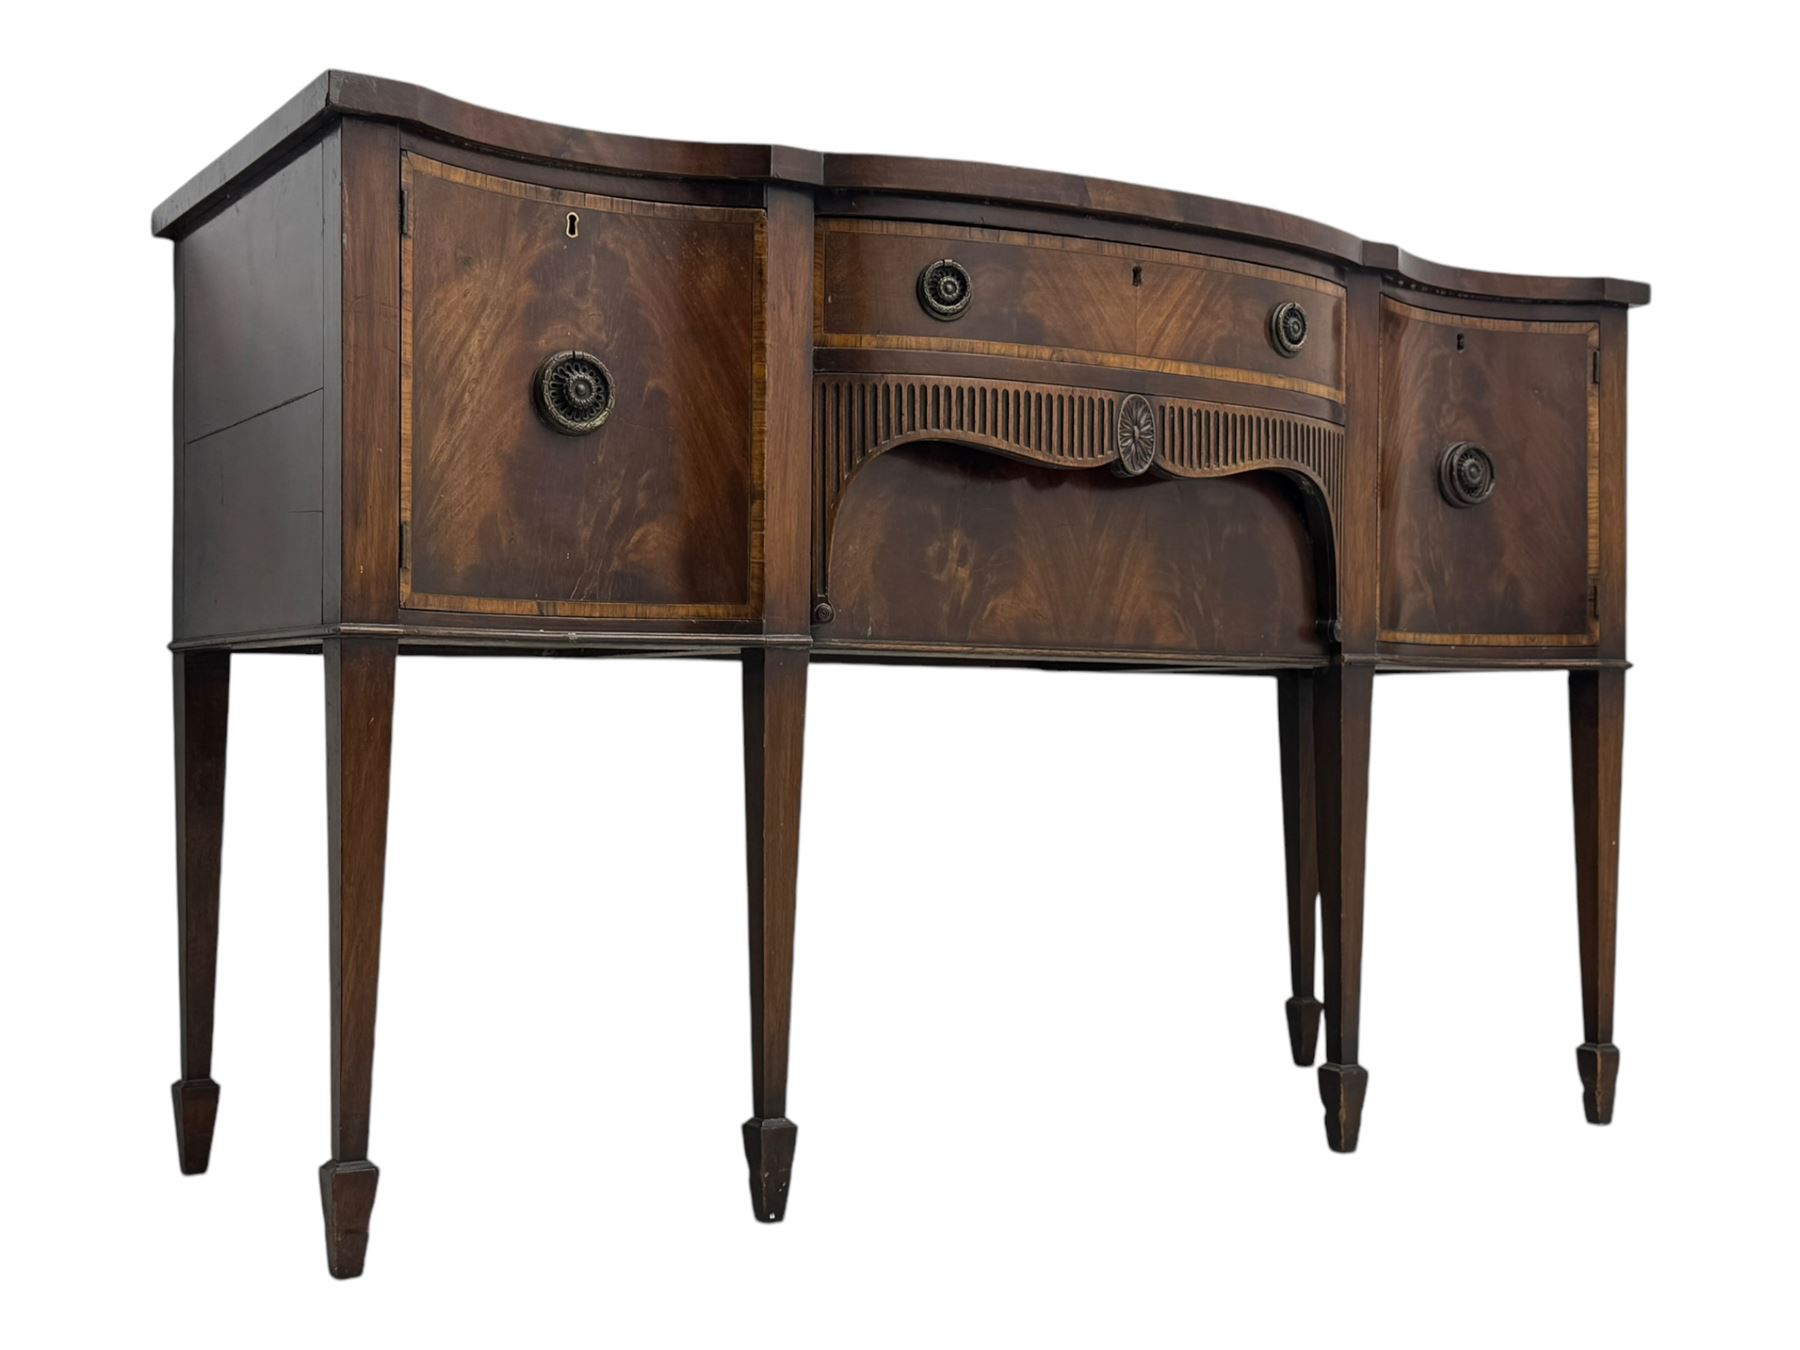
point(573, 391)
point(1287, 328)
point(1465, 475)
point(945, 289)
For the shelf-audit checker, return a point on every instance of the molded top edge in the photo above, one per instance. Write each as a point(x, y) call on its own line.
point(337, 94)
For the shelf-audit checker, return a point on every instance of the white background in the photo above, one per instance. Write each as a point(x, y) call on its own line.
point(1039, 1060)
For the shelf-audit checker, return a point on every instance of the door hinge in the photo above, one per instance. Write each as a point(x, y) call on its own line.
point(1596, 366)
point(405, 544)
point(1594, 599)
point(405, 213)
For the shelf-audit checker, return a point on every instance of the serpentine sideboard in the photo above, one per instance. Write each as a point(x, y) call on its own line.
point(449, 380)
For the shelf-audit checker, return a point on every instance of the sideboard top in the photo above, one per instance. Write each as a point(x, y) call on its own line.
point(337, 93)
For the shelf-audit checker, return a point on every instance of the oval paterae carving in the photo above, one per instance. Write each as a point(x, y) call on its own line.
point(1465, 475)
point(1137, 436)
point(945, 289)
point(1287, 328)
point(574, 392)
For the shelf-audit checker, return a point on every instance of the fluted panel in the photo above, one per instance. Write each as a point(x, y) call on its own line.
point(1203, 440)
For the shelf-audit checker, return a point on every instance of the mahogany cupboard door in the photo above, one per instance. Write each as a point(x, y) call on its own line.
point(580, 386)
point(1489, 479)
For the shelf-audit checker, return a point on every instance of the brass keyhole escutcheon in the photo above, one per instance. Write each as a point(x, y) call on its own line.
point(572, 226)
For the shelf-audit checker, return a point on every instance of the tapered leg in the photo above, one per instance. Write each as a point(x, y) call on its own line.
point(1597, 742)
point(202, 700)
point(359, 718)
point(1341, 717)
point(1299, 819)
point(774, 726)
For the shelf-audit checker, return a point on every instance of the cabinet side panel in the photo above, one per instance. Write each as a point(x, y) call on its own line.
point(250, 506)
point(249, 453)
point(254, 281)
point(177, 624)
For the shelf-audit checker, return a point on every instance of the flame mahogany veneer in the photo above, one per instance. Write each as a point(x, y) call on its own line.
point(448, 380)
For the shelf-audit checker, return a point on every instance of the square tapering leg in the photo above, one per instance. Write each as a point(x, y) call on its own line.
point(774, 730)
point(202, 706)
point(359, 720)
point(1341, 738)
point(1299, 820)
point(1597, 750)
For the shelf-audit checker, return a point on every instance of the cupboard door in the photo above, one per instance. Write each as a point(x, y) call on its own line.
point(1489, 479)
point(580, 378)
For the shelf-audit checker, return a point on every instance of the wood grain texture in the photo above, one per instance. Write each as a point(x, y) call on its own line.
point(365, 497)
point(1341, 723)
point(941, 546)
point(1074, 300)
point(658, 511)
point(1597, 748)
point(774, 695)
point(784, 413)
point(1299, 822)
point(359, 722)
point(1358, 550)
point(861, 417)
point(1516, 569)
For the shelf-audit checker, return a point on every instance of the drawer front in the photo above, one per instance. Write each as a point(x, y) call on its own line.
point(513, 499)
point(1054, 298)
point(1489, 479)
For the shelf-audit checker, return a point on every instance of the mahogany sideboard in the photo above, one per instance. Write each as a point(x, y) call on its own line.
point(449, 380)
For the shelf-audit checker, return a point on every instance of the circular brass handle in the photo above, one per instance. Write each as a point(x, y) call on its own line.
point(573, 391)
point(1287, 328)
point(1465, 475)
point(945, 289)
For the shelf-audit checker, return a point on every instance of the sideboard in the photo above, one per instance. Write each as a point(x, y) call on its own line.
point(448, 380)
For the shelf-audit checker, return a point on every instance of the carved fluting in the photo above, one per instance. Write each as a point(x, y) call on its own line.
point(1204, 440)
point(857, 417)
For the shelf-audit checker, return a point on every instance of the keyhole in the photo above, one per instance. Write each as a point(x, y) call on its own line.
point(574, 225)
point(1137, 276)
point(1461, 342)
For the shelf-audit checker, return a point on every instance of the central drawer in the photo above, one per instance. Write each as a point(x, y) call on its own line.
point(901, 286)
